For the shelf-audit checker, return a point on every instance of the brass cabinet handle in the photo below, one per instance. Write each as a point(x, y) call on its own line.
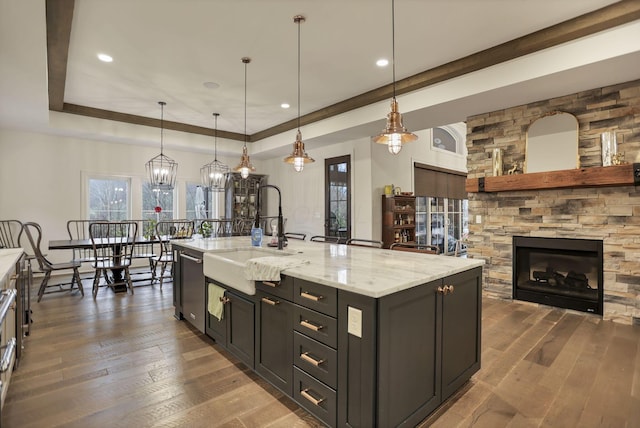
point(447, 289)
point(271, 284)
point(310, 296)
point(305, 394)
point(269, 301)
point(225, 300)
point(311, 326)
point(308, 358)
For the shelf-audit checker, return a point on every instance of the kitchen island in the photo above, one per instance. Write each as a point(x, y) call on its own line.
point(357, 336)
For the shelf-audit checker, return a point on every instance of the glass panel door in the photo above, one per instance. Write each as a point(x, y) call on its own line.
point(338, 197)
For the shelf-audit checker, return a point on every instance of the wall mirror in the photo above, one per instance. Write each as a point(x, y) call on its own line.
point(552, 143)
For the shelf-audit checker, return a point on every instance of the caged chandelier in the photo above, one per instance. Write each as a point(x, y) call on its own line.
point(162, 170)
point(214, 174)
point(395, 134)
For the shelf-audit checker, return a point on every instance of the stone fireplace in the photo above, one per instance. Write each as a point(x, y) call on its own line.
point(608, 214)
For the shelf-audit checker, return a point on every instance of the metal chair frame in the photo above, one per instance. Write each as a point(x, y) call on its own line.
point(415, 248)
point(34, 235)
point(113, 244)
point(294, 235)
point(167, 230)
point(328, 239)
point(371, 243)
point(10, 233)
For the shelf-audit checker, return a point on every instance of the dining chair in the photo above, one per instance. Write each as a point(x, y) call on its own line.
point(372, 243)
point(145, 249)
point(79, 230)
point(34, 236)
point(112, 244)
point(294, 235)
point(329, 239)
point(10, 233)
point(415, 248)
point(166, 231)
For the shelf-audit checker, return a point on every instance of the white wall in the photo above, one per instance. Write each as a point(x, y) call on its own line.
point(41, 176)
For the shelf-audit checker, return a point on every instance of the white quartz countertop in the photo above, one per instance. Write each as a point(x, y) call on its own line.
point(8, 259)
point(371, 272)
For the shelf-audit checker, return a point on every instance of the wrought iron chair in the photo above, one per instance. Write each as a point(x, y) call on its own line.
point(113, 244)
point(242, 226)
point(322, 238)
point(10, 233)
point(167, 230)
point(146, 249)
point(34, 235)
point(371, 243)
point(293, 235)
point(415, 248)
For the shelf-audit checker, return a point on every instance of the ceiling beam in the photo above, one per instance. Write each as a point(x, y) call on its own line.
point(60, 14)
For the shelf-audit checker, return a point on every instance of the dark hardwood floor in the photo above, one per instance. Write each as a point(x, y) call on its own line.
point(124, 360)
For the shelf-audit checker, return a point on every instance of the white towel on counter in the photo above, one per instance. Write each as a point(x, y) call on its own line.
point(269, 268)
point(215, 306)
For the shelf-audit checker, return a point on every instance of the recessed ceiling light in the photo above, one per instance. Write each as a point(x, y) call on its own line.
point(104, 57)
point(285, 105)
point(382, 62)
point(211, 85)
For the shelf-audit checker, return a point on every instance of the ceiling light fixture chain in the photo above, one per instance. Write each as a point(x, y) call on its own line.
point(214, 175)
point(161, 169)
point(395, 134)
point(299, 156)
point(245, 166)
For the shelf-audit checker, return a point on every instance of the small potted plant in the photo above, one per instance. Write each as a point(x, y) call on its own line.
point(205, 229)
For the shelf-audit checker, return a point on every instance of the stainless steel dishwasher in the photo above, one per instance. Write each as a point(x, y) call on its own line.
point(192, 288)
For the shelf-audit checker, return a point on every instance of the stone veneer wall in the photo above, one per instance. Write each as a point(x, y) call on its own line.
point(608, 213)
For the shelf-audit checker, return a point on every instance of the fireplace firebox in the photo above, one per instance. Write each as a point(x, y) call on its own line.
point(561, 272)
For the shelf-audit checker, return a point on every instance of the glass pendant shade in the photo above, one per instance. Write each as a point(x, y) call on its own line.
point(299, 157)
point(161, 169)
point(244, 167)
point(214, 174)
point(395, 134)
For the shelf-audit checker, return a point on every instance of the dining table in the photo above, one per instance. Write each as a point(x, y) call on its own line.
point(116, 274)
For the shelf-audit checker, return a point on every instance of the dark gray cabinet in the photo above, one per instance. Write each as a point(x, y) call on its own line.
point(415, 349)
point(235, 331)
point(274, 333)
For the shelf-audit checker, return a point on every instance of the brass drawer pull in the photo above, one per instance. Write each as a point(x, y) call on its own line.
point(269, 301)
point(310, 296)
point(308, 358)
point(305, 394)
point(271, 284)
point(311, 326)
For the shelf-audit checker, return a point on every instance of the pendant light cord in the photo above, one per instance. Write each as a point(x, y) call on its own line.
point(162, 103)
point(245, 60)
point(299, 22)
point(393, 45)
point(215, 136)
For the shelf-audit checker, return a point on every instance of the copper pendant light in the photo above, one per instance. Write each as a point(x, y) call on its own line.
point(395, 134)
point(245, 166)
point(162, 170)
point(299, 156)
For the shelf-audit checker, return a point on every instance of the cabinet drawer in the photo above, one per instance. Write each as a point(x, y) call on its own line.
point(282, 288)
point(316, 325)
point(318, 297)
point(316, 359)
point(316, 397)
